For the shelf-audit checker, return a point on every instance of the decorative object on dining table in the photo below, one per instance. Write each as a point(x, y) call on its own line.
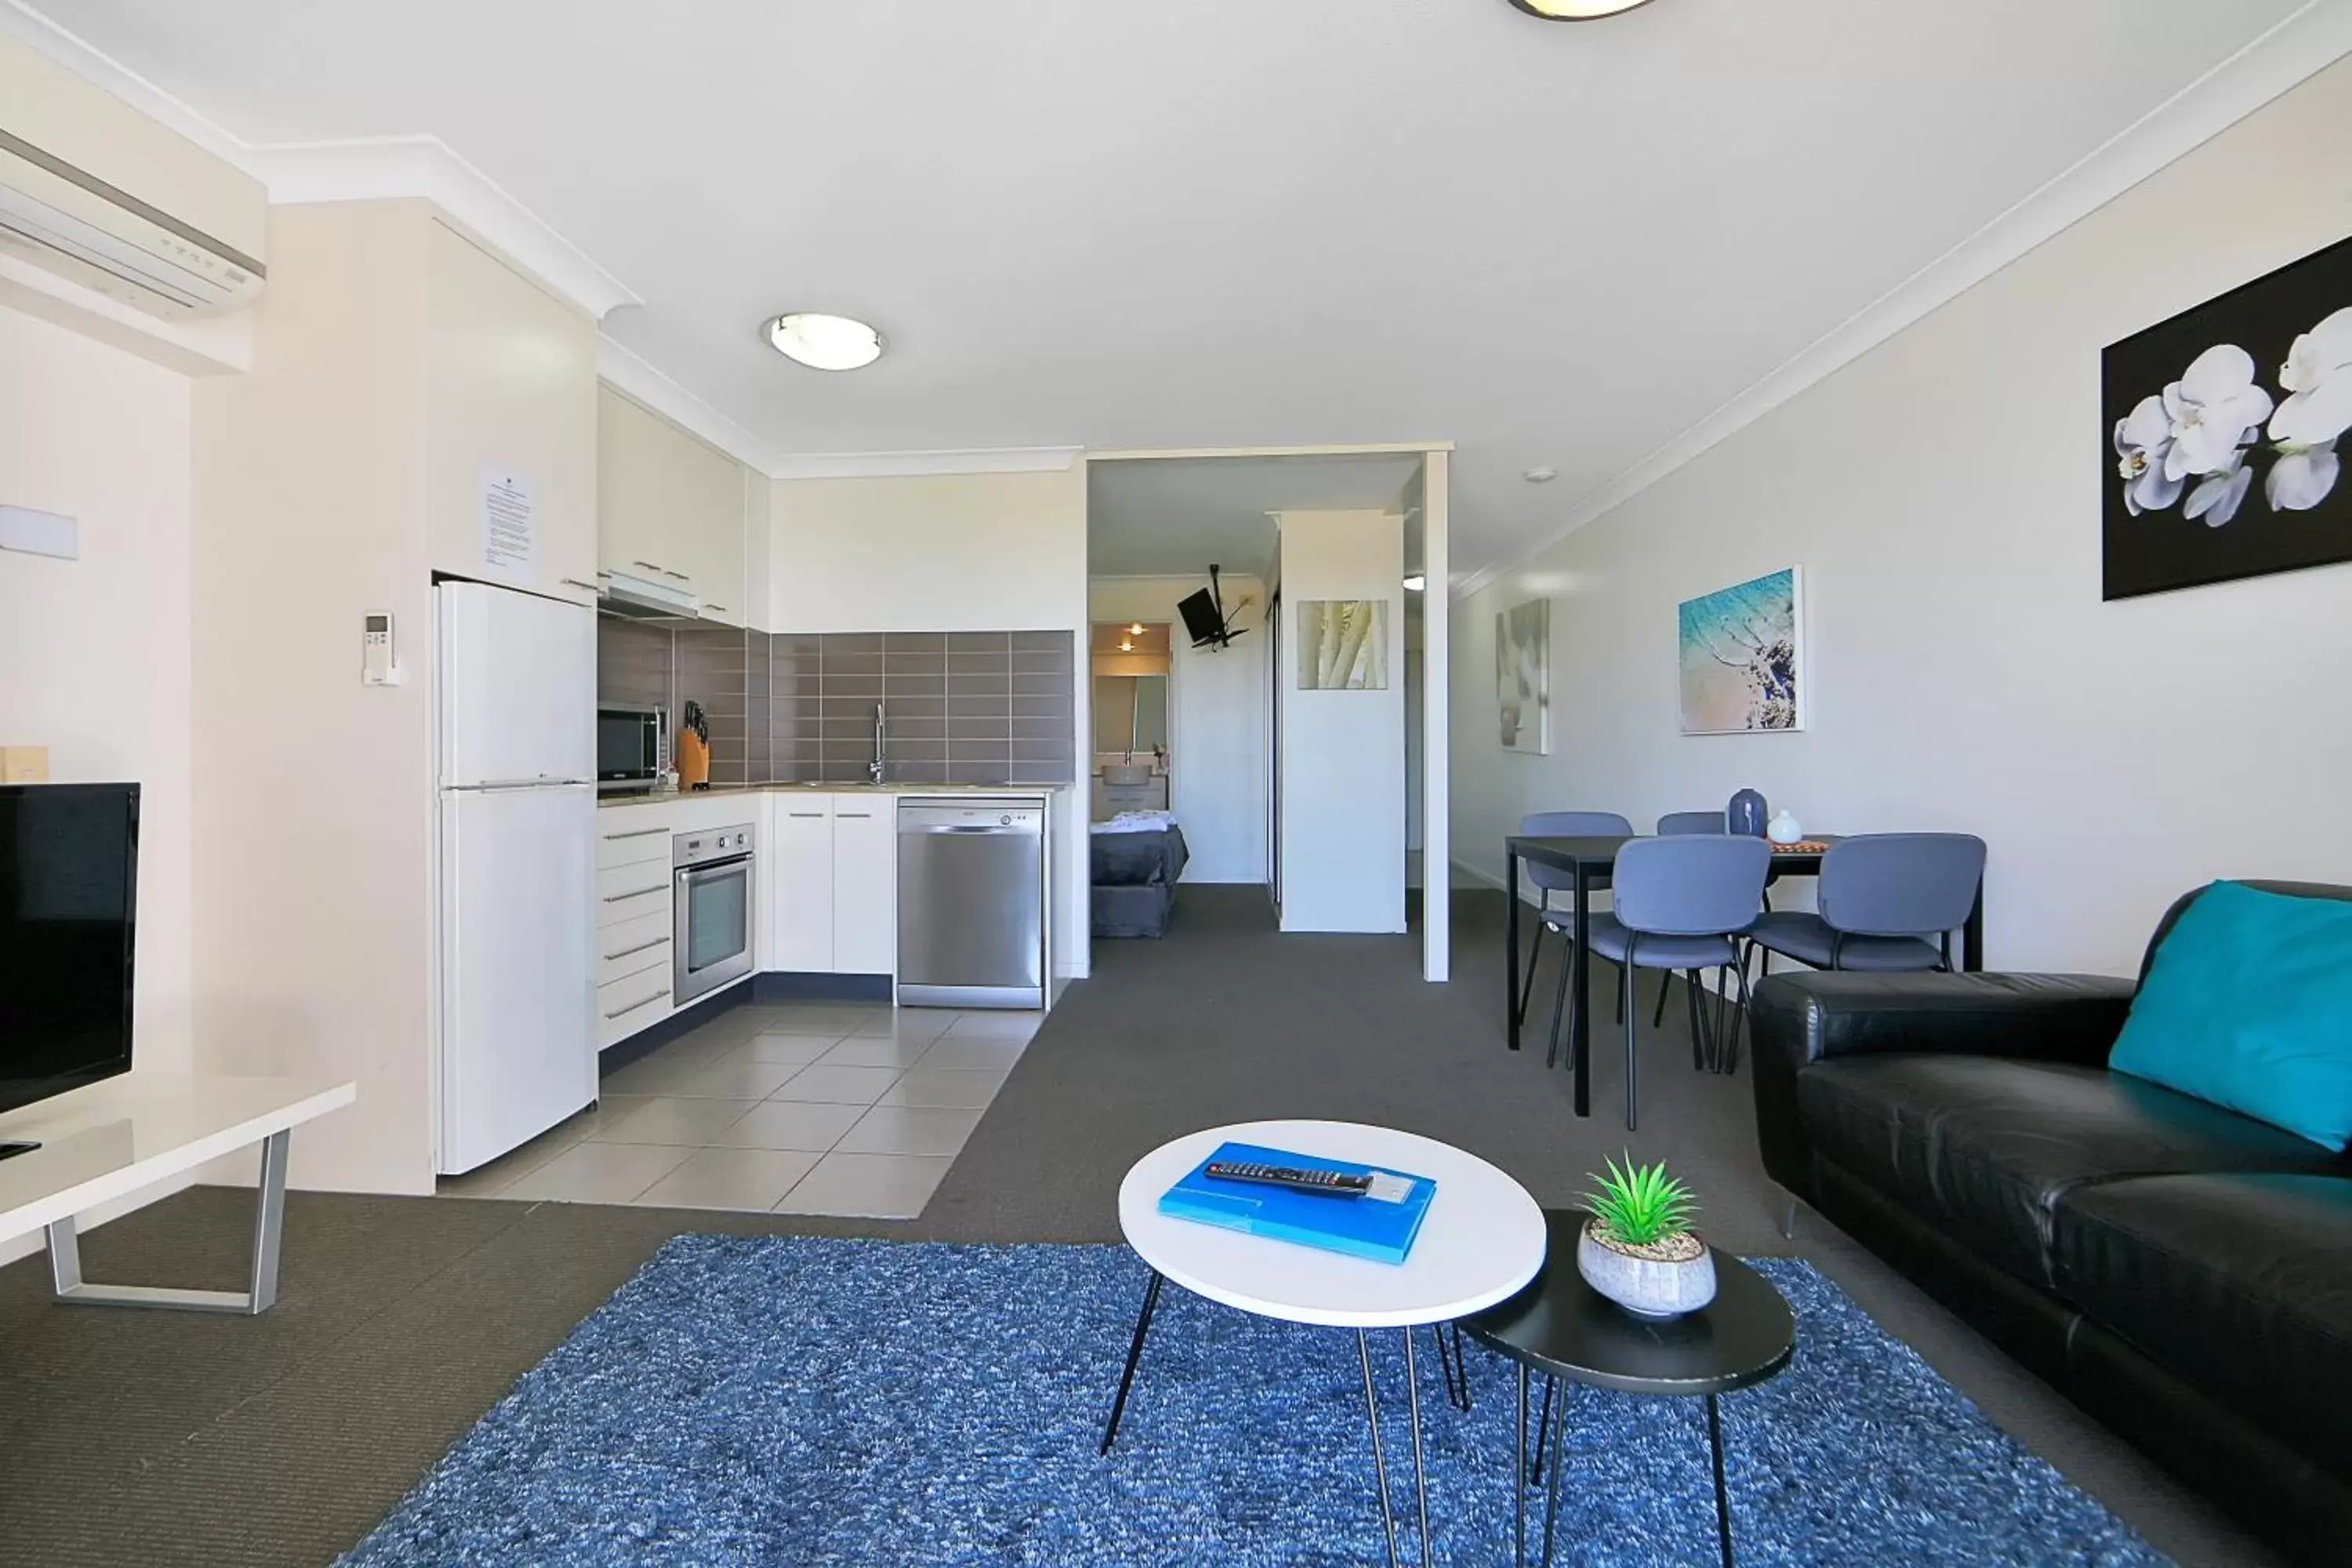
point(1522, 677)
point(1784, 828)
point(1746, 813)
point(1343, 645)
point(1742, 656)
point(1638, 1248)
point(2222, 425)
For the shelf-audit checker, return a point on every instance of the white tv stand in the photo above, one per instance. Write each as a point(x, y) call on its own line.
point(109, 1140)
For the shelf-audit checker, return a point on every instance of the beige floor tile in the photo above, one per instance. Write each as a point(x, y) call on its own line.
point(691, 1123)
point(831, 1021)
point(790, 1124)
point(489, 1181)
point(908, 1129)
point(788, 1050)
point(833, 1085)
point(956, 1088)
point(920, 1024)
point(995, 1026)
point(960, 1055)
point(598, 1173)
point(873, 1186)
point(754, 1179)
point(663, 1071)
point(737, 1077)
point(876, 1052)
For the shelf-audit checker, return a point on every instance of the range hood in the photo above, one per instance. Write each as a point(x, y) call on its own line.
point(642, 599)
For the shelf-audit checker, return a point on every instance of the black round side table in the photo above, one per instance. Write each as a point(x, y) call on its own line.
point(1563, 1329)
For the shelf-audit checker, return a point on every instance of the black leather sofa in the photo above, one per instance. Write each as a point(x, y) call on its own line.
point(2182, 1272)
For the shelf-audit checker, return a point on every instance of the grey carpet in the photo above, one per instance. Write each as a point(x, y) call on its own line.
point(158, 1438)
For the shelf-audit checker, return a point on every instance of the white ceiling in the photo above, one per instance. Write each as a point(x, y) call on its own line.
point(1173, 516)
point(1227, 222)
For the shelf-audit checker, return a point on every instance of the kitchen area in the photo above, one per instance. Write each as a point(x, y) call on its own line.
point(733, 917)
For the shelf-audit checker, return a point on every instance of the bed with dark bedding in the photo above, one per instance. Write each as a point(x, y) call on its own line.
point(1135, 875)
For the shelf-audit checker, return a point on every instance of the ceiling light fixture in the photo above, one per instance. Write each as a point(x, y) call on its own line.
point(1540, 476)
point(1416, 583)
point(1136, 630)
point(1575, 10)
point(824, 343)
point(1126, 647)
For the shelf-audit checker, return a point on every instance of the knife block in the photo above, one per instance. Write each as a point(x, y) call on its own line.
point(693, 760)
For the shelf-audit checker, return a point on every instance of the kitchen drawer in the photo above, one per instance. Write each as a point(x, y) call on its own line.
point(631, 838)
point(633, 946)
point(625, 892)
point(626, 1006)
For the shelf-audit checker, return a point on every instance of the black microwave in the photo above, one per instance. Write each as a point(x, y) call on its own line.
point(632, 747)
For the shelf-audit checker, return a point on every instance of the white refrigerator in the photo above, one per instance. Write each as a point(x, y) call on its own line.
point(515, 750)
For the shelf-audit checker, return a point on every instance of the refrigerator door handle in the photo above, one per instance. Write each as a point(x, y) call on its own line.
point(543, 782)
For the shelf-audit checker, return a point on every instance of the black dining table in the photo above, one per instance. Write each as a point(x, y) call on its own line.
point(1588, 861)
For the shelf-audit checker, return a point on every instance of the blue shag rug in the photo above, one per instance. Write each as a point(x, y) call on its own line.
point(786, 1400)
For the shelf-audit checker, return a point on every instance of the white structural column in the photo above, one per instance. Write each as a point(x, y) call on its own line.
point(1436, 746)
point(1343, 807)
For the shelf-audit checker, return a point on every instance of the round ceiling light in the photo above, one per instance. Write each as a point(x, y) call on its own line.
point(824, 343)
point(1575, 10)
point(1540, 476)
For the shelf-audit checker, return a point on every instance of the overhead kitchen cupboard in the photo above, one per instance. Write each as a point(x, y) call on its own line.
point(670, 507)
point(509, 406)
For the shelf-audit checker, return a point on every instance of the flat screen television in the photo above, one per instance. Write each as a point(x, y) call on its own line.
point(68, 910)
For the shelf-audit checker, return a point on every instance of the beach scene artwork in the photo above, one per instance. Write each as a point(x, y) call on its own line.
point(1743, 658)
point(1522, 677)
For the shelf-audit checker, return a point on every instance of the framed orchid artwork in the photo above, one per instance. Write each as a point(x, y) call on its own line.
point(2222, 426)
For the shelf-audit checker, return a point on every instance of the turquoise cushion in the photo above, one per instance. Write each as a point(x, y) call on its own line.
point(2248, 1005)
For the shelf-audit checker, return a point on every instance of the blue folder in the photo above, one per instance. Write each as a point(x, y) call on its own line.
point(1380, 1228)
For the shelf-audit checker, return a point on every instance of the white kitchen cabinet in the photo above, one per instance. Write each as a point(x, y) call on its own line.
point(800, 871)
point(670, 507)
point(510, 404)
point(630, 489)
point(866, 884)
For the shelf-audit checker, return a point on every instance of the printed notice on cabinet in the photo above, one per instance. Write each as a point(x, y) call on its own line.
point(509, 523)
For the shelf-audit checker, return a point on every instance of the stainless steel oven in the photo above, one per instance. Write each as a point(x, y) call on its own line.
point(632, 747)
point(713, 899)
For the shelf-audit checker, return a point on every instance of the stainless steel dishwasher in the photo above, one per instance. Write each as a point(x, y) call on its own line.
point(972, 903)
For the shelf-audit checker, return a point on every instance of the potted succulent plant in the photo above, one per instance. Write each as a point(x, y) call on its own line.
point(1638, 1248)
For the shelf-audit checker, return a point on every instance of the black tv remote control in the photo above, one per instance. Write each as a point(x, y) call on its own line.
point(1322, 1183)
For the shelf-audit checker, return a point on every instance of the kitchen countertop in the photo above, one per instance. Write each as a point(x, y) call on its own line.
point(674, 797)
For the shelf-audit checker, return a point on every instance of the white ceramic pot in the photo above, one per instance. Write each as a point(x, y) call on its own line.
point(1647, 1287)
point(1783, 829)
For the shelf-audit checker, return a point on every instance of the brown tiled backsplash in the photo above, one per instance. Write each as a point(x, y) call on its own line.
point(798, 708)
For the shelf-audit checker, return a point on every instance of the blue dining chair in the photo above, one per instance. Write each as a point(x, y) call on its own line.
point(1888, 901)
point(1561, 824)
point(1676, 823)
point(1678, 903)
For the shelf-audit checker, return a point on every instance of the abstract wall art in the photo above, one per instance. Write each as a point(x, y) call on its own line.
point(1343, 645)
point(1743, 656)
point(1522, 677)
point(2220, 431)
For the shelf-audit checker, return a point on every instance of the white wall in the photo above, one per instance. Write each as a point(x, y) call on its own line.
point(968, 552)
point(1943, 494)
point(1217, 757)
point(1342, 752)
point(94, 652)
point(314, 794)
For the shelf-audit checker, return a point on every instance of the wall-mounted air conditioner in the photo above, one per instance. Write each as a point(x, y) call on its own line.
point(98, 193)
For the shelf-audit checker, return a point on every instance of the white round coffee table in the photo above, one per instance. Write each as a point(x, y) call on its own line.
point(1482, 1240)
